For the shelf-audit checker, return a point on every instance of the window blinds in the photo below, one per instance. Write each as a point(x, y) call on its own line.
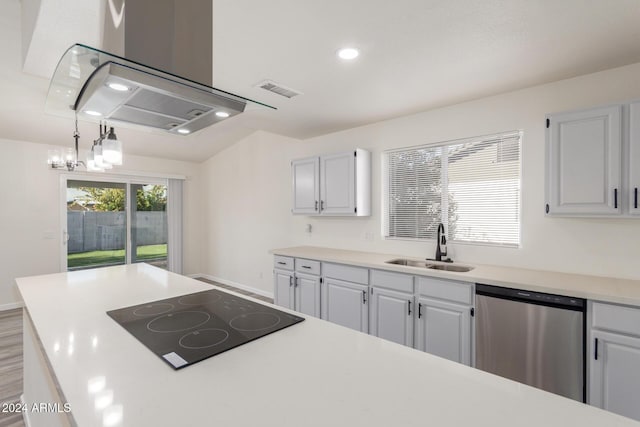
point(472, 186)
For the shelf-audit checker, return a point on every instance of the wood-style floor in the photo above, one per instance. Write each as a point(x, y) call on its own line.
point(11, 357)
point(10, 365)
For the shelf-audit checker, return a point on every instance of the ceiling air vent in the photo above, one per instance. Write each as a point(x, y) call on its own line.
point(274, 87)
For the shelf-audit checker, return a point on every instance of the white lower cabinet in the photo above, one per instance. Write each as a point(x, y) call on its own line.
point(614, 359)
point(307, 294)
point(444, 318)
point(392, 305)
point(283, 288)
point(430, 314)
point(444, 329)
point(297, 290)
point(346, 303)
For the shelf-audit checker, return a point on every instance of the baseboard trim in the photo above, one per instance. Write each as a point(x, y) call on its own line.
point(11, 306)
point(234, 284)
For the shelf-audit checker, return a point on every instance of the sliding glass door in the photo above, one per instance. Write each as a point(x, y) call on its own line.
point(115, 222)
point(149, 224)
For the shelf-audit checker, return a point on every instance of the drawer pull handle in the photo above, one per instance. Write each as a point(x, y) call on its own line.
point(635, 198)
point(305, 266)
point(409, 308)
point(595, 351)
point(282, 263)
point(364, 297)
point(419, 311)
point(615, 198)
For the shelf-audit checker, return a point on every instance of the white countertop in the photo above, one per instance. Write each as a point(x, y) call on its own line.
point(311, 374)
point(607, 289)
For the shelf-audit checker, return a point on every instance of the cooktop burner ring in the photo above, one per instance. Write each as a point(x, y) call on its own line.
point(199, 299)
point(247, 322)
point(198, 319)
point(200, 332)
point(149, 309)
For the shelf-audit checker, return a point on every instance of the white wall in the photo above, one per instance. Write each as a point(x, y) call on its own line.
point(248, 189)
point(247, 208)
point(30, 195)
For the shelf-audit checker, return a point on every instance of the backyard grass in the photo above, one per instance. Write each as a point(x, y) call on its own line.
point(93, 258)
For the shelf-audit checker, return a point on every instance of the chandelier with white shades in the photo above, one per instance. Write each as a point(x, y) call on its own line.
point(105, 152)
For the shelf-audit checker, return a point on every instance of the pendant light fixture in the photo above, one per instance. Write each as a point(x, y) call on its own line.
point(105, 152)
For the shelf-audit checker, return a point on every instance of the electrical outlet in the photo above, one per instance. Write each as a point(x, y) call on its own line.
point(368, 236)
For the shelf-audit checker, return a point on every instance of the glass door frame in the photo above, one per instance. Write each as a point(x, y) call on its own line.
point(127, 180)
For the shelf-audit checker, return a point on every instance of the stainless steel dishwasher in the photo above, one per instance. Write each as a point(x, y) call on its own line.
point(531, 337)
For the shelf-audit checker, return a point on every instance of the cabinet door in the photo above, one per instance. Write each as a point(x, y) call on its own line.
point(307, 294)
point(392, 316)
point(346, 304)
point(634, 158)
point(306, 188)
point(444, 329)
point(615, 376)
point(584, 162)
point(337, 188)
point(283, 288)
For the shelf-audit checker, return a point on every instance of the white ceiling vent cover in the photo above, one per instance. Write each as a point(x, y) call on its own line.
point(281, 90)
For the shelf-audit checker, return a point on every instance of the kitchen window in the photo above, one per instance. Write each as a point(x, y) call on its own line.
point(472, 186)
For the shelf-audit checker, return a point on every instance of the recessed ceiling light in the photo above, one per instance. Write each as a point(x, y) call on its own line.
point(348, 53)
point(119, 87)
point(222, 114)
point(184, 131)
point(93, 113)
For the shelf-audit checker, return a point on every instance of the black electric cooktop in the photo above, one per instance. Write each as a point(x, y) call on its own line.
point(187, 329)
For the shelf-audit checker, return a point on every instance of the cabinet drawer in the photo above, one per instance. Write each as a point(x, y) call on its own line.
point(308, 266)
point(390, 280)
point(283, 262)
point(346, 273)
point(446, 289)
point(618, 318)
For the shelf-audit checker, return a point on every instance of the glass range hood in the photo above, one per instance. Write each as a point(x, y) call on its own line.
point(102, 86)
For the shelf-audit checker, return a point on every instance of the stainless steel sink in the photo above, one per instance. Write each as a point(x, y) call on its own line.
point(410, 262)
point(431, 265)
point(451, 267)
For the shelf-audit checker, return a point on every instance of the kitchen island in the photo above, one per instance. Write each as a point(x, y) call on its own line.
point(311, 374)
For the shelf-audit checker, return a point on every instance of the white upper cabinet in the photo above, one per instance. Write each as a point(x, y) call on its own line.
point(335, 184)
point(337, 188)
point(634, 158)
point(306, 185)
point(584, 168)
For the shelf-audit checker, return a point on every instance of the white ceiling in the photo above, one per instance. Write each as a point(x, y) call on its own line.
point(415, 55)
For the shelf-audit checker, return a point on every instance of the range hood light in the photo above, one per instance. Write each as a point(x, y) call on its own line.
point(119, 87)
point(184, 131)
point(93, 113)
point(222, 114)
